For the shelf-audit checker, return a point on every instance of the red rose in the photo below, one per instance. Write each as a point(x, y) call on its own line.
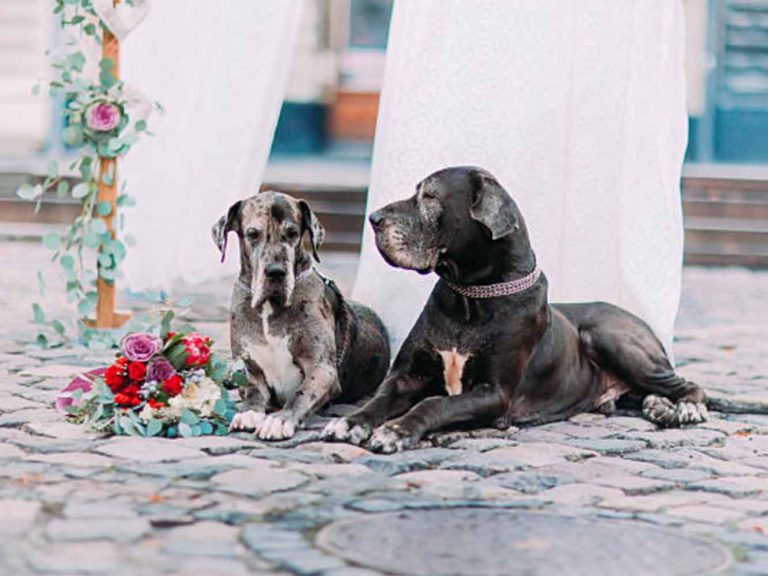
point(137, 370)
point(156, 403)
point(123, 399)
point(172, 386)
point(169, 336)
point(131, 390)
point(114, 376)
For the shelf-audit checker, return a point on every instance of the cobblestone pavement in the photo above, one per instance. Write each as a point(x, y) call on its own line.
point(72, 503)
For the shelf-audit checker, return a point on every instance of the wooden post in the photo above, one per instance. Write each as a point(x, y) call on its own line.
point(106, 316)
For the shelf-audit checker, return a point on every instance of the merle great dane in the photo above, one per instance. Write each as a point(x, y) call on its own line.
point(303, 344)
point(488, 348)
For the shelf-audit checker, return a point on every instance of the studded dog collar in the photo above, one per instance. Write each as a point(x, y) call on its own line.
point(499, 289)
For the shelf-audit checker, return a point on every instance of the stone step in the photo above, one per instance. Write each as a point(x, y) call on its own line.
point(726, 209)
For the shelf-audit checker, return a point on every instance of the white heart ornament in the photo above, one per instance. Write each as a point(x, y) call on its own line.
point(123, 18)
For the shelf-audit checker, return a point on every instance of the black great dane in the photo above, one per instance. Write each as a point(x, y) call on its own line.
point(488, 348)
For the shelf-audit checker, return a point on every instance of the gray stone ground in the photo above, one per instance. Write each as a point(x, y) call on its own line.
point(73, 503)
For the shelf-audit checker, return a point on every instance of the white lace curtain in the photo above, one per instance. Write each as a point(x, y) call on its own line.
point(220, 70)
point(577, 107)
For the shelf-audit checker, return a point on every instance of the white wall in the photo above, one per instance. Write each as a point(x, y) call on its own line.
point(25, 33)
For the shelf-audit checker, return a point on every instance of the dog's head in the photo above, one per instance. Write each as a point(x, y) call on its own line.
point(271, 227)
point(456, 216)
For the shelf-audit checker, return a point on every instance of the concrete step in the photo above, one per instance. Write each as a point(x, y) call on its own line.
point(726, 208)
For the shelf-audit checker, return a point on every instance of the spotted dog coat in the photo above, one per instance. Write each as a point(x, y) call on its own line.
point(302, 343)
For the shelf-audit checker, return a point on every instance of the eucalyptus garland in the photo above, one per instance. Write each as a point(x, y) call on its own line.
point(102, 118)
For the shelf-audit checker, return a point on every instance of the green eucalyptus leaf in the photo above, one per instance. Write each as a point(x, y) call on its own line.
point(80, 190)
point(42, 341)
point(28, 191)
point(107, 274)
point(62, 188)
point(84, 308)
point(91, 240)
point(58, 327)
point(127, 425)
point(97, 227)
point(67, 261)
point(189, 417)
point(154, 427)
point(206, 427)
point(53, 169)
point(52, 241)
point(72, 135)
point(118, 250)
point(38, 315)
point(220, 408)
point(86, 165)
point(165, 323)
point(104, 208)
point(76, 61)
point(105, 260)
point(185, 431)
point(126, 201)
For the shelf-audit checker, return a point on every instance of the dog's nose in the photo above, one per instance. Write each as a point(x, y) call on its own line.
point(275, 271)
point(376, 219)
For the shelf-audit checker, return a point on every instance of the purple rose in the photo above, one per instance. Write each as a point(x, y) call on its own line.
point(159, 370)
point(140, 346)
point(102, 117)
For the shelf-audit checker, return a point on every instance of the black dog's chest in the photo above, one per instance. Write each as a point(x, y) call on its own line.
point(453, 363)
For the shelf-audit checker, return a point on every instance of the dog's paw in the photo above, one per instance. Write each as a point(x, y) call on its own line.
point(249, 420)
point(342, 430)
point(277, 426)
point(390, 438)
point(663, 412)
point(690, 413)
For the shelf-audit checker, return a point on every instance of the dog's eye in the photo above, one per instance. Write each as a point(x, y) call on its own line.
point(253, 234)
point(291, 234)
point(427, 195)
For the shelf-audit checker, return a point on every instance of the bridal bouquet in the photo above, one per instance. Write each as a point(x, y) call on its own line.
point(169, 386)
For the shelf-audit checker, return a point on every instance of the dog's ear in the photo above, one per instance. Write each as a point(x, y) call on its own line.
point(492, 206)
point(310, 223)
point(230, 222)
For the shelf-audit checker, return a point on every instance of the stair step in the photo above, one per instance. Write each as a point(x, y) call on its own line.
point(27, 231)
point(727, 225)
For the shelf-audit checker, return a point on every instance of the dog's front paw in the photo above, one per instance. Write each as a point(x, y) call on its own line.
point(663, 412)
point(249, 420)
point(690, 413)
point(342, 430)
point(277, 426)
point(391, 438)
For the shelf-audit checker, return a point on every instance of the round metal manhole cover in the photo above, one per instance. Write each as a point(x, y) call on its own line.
point(466, 541)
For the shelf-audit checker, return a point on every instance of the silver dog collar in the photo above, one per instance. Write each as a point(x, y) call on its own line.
point(500, 289)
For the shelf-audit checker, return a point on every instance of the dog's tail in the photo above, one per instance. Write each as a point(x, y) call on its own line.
point(720, 404)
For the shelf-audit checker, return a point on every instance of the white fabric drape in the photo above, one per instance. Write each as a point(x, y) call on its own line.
point(220, 70)
point(577, 107)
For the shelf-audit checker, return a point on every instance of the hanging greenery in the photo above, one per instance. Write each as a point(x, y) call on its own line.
point(102, 118)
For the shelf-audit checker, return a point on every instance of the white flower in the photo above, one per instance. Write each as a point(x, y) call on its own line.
point(201, 396)
point(147, 413)
point(177, 405)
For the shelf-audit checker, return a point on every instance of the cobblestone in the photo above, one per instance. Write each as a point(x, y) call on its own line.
point(73, 502)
